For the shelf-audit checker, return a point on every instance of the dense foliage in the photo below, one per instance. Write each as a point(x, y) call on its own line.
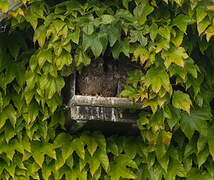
point(46, 41)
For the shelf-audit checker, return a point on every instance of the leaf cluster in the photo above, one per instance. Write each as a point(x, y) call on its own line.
point(46, 41)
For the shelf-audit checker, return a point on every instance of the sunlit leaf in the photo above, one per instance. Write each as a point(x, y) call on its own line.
point(181, 21)
point(157, 77)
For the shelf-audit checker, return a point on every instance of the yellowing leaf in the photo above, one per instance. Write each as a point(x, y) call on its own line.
point(142, 53)
point(174, 55)
point(209, 32)
point(181, 100)
point(4, 5)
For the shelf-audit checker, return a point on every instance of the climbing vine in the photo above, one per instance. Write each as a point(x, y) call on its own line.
point(45, 41)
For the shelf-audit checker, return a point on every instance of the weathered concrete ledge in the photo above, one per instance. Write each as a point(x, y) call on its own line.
point(98, 101)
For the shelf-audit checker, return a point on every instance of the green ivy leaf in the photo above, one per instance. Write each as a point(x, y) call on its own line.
point(209, 32)
point(142, 11)
point(43, 56)
point(141, 53)
point(9, 132)
point(40, 149)
point(14, 49)
point(200, 13)
point(153, 31)
point(51, 89)
point(59, 160)
point(103, 158)
point(157, 77)
point(181, 100)
point(164, 31)
point(130, 147)
point(125, 14)
point(181, 21)
point(33, 62)
point(40, 35)
point(107, 19)
point(81, 58)
point(195, 174)
point(202, 26)
point(190, 148)
point(91, 143)
point(164, 162)
point(64, 140)
point(46, 171)
point(175, 168)
point(126, 3)
point(160, 151)
point(128, 92)
point(58, 25)
point(64, 59)
point(114, 32)
point(88, 29)
point(174, 55)
point(172, 115)
point(202, 141)
point(138, 36)
point(37, 154)
point(195, 121)
point(96, 47)
point(177, 40)
point(202, 157)
point(210, 136)
point(112, 147)
point(75, 35)
point(94, 164)
point(12, 115)
point(119, 168)
point(78, 146)
point(1, 102)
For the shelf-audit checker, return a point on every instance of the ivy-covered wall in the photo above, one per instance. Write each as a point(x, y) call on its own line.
point(46, 41)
